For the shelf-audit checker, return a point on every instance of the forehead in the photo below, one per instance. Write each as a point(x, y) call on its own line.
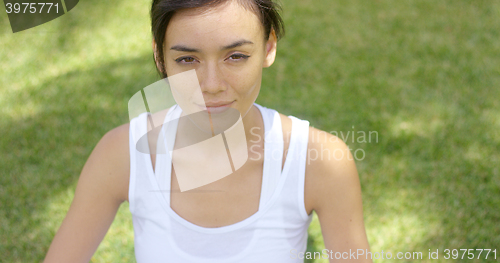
point(210, 26)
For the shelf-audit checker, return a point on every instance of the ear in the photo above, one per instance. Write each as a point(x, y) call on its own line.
point(270, 49)
point(155, 55)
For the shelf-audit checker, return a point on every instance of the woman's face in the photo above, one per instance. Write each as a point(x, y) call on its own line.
point(226, 47)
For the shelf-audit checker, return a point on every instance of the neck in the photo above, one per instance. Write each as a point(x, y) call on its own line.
point(254, 126)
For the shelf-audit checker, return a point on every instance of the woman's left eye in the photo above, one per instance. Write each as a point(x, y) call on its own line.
point(238, 57)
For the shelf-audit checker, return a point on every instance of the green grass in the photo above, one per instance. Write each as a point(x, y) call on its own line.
point(423, 74)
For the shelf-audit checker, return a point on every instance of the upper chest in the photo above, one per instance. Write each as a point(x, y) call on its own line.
point(230, 199)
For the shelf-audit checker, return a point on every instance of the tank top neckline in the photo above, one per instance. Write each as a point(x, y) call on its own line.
point(163, 166)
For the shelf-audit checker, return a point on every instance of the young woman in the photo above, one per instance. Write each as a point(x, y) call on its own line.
point(258, 213)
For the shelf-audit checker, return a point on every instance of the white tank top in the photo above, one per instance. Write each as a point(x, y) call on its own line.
point(276, 233)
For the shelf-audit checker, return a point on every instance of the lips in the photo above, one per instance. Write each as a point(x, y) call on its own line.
point(217, 107)
point(218, 104)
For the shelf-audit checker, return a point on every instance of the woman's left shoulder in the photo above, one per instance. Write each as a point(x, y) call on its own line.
point(326, 149)
point(330, 168)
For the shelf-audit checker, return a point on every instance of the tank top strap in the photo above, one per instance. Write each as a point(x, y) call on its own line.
point(298, 154)
point(273, 153)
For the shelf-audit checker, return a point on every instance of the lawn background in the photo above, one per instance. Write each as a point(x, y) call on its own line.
point(423, 74)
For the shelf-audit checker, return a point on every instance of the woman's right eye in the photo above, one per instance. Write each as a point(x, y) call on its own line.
point(185, 60)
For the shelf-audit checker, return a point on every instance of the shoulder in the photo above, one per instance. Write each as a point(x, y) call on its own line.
point(109, 162)
point(333, 191)
point(115, 144)
point(99, 193)
point(330, 148)
point(117, 136)
point(330, 169)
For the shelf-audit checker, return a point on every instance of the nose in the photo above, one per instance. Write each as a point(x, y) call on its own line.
point(211, 79)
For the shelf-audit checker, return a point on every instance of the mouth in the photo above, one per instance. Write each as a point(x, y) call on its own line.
point(216, 107)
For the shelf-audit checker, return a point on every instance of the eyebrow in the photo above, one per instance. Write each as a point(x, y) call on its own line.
point(230, 46)
point(237, 44)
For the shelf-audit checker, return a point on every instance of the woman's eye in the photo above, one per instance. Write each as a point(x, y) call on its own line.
point(238, 57)
point(185, 60)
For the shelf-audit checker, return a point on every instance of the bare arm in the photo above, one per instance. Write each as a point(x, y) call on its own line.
point(335, 194)
point(101, 188)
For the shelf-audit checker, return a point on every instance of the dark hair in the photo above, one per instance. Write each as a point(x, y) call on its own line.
point(163, 10)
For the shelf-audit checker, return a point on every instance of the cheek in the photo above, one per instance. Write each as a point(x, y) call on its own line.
point(248, 79)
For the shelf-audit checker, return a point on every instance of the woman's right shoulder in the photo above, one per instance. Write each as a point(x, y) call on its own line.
point(111, 157)
point(102, 187)
point(118, 135)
